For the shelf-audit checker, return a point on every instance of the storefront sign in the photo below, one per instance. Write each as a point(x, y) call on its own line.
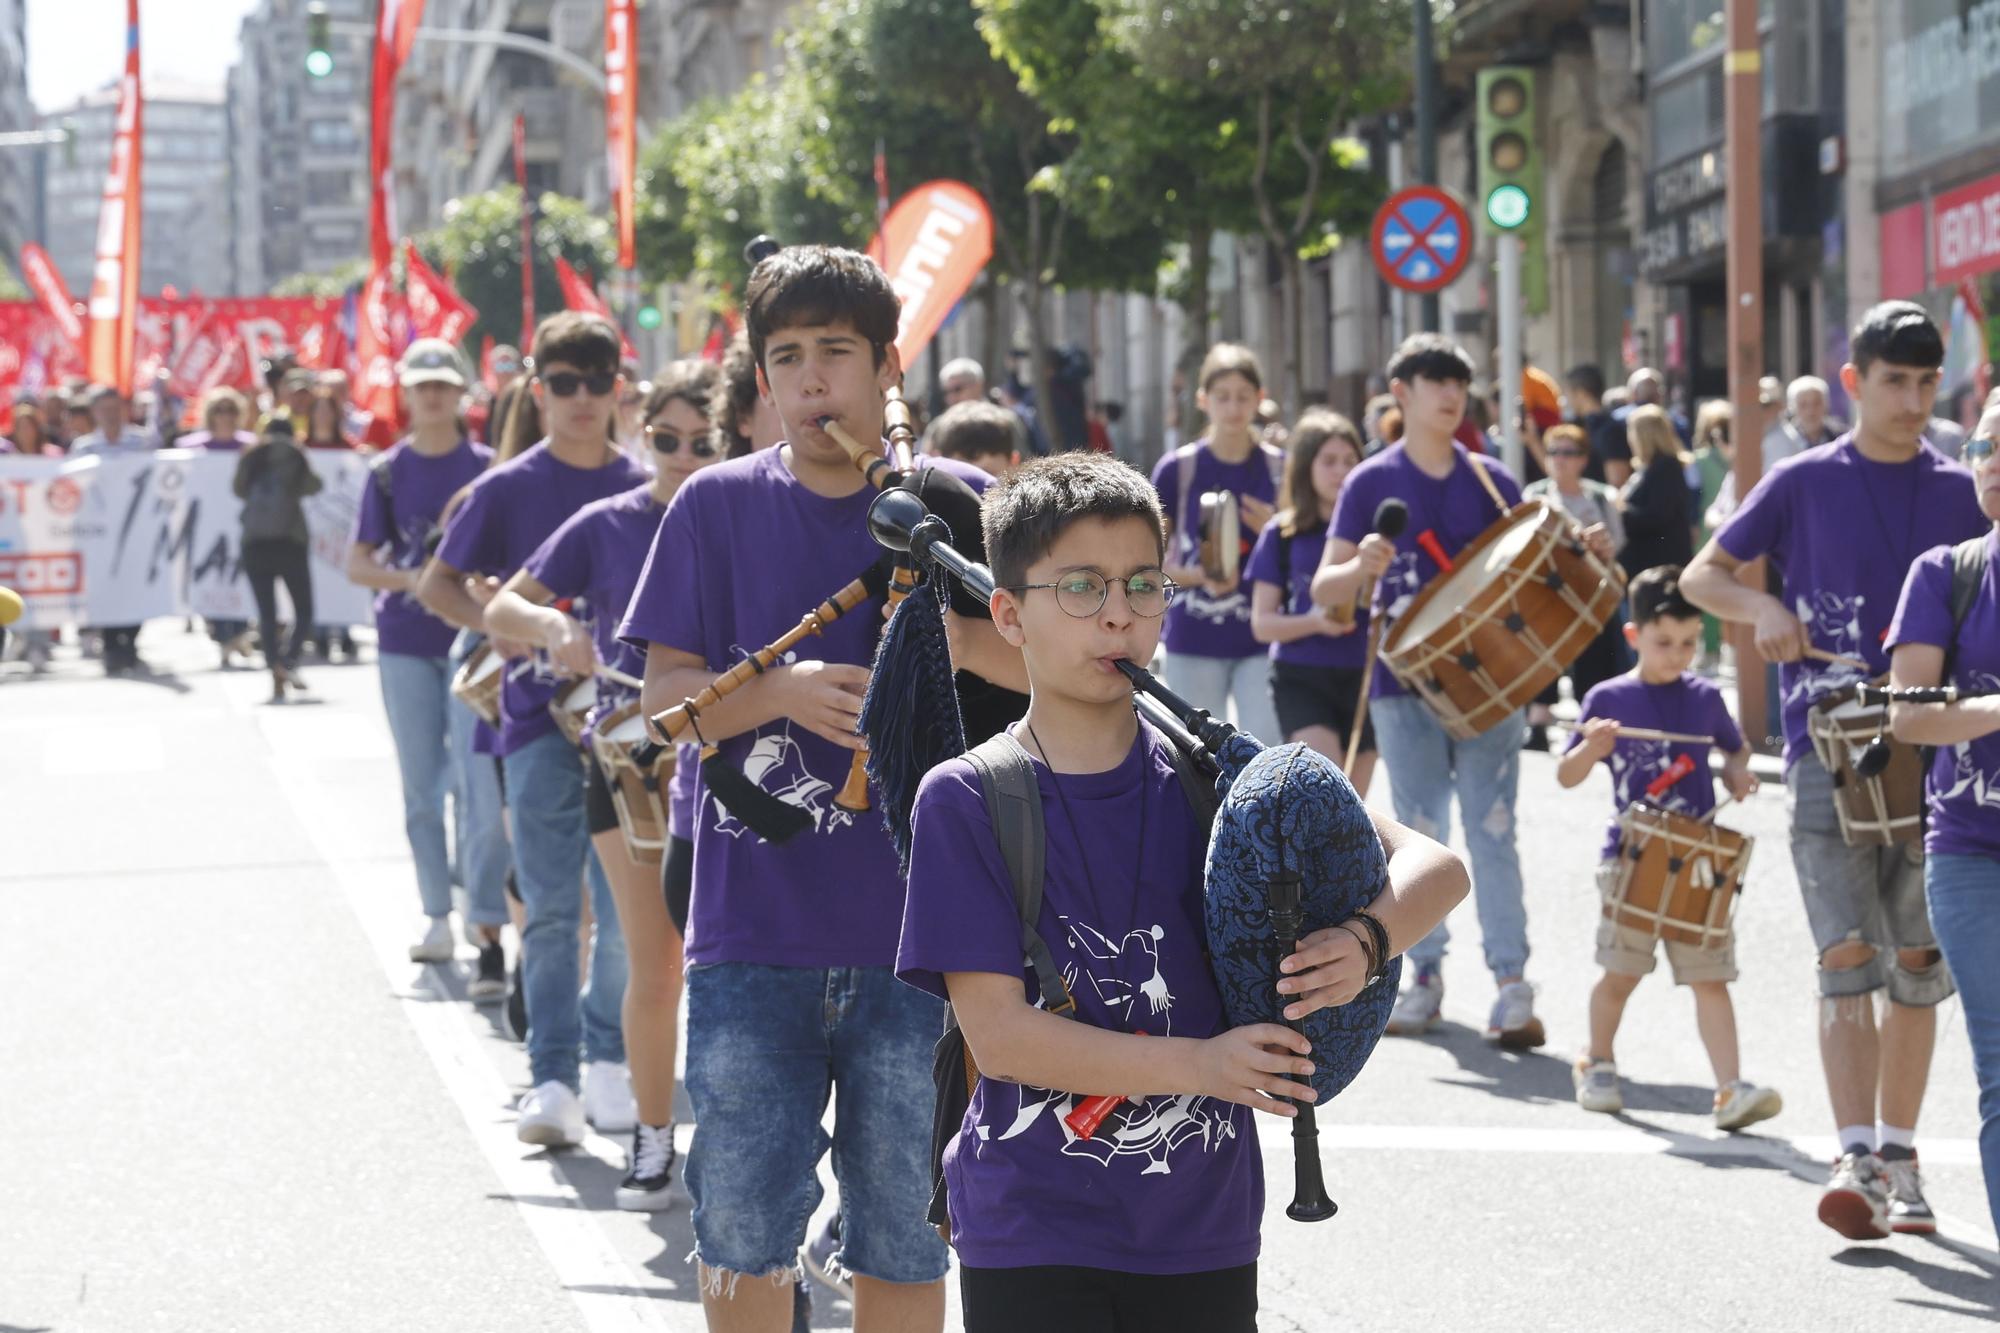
point(1940, 80)
point(1965, 232)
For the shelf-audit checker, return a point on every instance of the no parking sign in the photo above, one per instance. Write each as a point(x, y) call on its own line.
point(1422, 239)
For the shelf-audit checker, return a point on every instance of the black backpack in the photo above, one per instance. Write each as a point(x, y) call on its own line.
point(1014, 807)
point(1968, 568)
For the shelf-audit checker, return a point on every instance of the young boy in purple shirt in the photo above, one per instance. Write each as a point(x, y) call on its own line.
point(1661, 694)
point(790, 946)
point(1842, 522)
point(1155, 1226)
point(1449, 508)
point(509, 512)
point(401, 502)
point(1962, 839)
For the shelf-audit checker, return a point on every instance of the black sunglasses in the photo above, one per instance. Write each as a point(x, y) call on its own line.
point(666, 442)
point(1568, 453)
point(563, 383)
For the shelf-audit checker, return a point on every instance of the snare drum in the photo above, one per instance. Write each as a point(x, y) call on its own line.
point(571, 707)
point(477, 683)
point(1678, 877)
point(1221, 537)
point(1522, 602)
point(1877, 811)
point(637, 770)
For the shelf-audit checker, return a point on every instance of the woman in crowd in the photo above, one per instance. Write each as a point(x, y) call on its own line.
point(272, 479)
point(224, 415)
point(1657, 505)
point(1589, 502)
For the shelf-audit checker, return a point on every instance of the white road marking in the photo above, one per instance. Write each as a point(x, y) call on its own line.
point(95, 752)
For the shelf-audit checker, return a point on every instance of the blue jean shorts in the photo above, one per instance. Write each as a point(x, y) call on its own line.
point(765, 1047)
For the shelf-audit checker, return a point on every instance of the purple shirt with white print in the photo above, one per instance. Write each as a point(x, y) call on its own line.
point(1843, 531)
point(1321, 650)
point(1197, 624)
point(1454, 508)
point(1689, 705)
point(1179, 1188)
point(743, 553)
point(402, 520)
point(1963, 788)
point(512, 510)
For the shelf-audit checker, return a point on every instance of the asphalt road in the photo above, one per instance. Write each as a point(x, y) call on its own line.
point(230, 1103)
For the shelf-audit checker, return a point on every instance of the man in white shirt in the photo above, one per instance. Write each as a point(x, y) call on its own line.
point(114, 436)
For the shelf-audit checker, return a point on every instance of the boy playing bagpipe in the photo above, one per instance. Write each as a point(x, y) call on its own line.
point(1152, 1222)
point(1660, 694)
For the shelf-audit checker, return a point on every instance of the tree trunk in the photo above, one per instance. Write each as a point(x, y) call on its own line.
point(1295, 331)
point(1038, 337)
point(992, 327)
point(1194, 330)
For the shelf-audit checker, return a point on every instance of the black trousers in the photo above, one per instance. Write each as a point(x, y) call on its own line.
point(1057, 1299)
point(265, 562)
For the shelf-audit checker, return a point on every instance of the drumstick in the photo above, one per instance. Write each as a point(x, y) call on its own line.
point(1361, 706)
point(1838, 659)
point(1486, 480)
point(1626, 733)
point(1709, 818)
point(617, 677)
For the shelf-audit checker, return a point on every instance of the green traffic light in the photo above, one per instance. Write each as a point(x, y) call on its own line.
point(319, 64)
point(649, 317)
point(1508, 206)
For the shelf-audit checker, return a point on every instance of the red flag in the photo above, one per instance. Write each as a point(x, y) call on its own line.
point(578, 294)
point(114, 282)
point(47, 283)
point(436, 308)
point(375, 347)
point(527, 232)
point(395, 32)
point(936, 241)
point(621, 118)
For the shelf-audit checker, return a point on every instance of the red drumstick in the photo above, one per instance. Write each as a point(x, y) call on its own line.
point(1428, 540)
point(1091, 1113)
point(1677, 770)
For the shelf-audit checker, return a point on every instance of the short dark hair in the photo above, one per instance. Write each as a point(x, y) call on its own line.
point(576, 338)
point(1431, 356)
point(1586, 377)
point(1025, 514)
point(974, 429)
point(1230, 359)
point(1898, 332)
point(820, 284)
point(729, 411)
point(1656, 595)
point(691, 380)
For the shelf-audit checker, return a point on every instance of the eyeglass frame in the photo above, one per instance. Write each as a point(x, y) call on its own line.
point(695, 443)
point(1167, 590)
point(1987, 440)
point(580, 380)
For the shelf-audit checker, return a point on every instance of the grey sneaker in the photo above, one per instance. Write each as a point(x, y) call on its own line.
point(1417, 1008)
point(1597, 1086)
point(1743, 1104)
point(1909, 1212)
point(1856, 1201)
point(1513, 1023)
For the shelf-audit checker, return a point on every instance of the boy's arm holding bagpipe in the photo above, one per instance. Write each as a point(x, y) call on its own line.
point(1920, 666)
point(823, 697)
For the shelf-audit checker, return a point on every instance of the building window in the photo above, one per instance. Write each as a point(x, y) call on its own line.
point(1681, 30)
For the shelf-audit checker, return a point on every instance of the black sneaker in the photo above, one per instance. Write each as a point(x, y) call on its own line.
point(489, 982)
point(649, 1183)
point(514, 1013)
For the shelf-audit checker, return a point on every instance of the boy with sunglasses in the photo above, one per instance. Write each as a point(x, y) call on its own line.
point(790, 946)
point(508, 513)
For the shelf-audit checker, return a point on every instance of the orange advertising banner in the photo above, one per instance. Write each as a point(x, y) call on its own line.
point(936, 240)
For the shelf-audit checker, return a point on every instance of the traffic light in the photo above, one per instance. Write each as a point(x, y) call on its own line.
point(1510, 163)
point(649, 316)
point(319, 41)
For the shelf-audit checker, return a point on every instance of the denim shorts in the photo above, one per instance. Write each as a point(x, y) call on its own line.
point(1870, 895)
point(765, 1046)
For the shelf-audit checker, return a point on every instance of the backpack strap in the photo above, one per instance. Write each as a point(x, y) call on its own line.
point(1014, 805)
point(385, 485)
point(1968, 570)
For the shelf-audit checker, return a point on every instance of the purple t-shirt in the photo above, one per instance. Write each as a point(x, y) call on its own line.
point(593, 559)
point(1843, 531)
point(1963, 793)
point(1197, 624)
point(419, 486)
point(1689, 705)
point(1454, 508)
point(1320, 650)
point(684, 791)
point(744, 552)
point(1180, 1188)
point(512, 510)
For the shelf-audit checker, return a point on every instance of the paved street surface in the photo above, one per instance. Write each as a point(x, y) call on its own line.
point(230, 1103)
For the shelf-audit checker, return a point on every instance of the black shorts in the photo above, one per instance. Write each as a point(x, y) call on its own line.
point(1062, 1299)
point(599, 814)
point(1315, 696)
point(677, 880)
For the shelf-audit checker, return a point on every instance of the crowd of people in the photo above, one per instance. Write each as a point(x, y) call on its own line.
point(820, 963)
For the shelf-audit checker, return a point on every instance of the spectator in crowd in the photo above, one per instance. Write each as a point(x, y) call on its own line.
point(524, 423)
point(1657, 505)
point(1102, 419)
point(272, 479)
point(295, 395)
point(1714, 456)
point(368, 431)
point(739, 415)
point(55, 417)
point(326, 422)
point(1371, 423)
point(1067, 416)
point(1568, 450)
point(77, 421)
point(1016, 392)
point(1804, 425)
point(1391, 426)
point(962, 380)
point(1583, 387)
point(112, 435)
point(503, 370)
point(985, 435)
point(29, 434)
point(224, 413)
point(628, 425)
point(1271, 423)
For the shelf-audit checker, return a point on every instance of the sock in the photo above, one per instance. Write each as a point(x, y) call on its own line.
point(1857, 1138)
point(1899, 1143)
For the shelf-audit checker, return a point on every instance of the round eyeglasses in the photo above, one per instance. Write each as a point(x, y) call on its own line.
point(1977, 449)
point(1082, 592)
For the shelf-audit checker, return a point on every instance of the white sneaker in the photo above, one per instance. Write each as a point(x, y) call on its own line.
point(1513, 1023)
point(1417, 1009)
point(1742, 1104)
point(437, 945)
point(1597, 1086)
point(607, 1097)
point(551, 1116)
point(1856, 1201)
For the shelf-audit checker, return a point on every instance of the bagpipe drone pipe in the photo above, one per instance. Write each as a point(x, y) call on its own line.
point(1293, 849)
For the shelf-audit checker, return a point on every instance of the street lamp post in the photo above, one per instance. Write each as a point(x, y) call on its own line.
point(506, 41)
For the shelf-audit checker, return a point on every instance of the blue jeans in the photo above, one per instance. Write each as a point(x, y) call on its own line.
point(1426, 766)
point(1211, 682)
point(764, 1046)
point(1964, 893)
point(552, 857)
point(416, 694)
point(482, 857)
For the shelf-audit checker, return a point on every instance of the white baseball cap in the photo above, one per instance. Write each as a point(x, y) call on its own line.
point(431, 361)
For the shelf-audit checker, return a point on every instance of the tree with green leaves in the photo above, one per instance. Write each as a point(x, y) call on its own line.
point(479, 246)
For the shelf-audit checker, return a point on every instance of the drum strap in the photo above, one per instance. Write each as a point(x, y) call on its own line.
point(1968, 571)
